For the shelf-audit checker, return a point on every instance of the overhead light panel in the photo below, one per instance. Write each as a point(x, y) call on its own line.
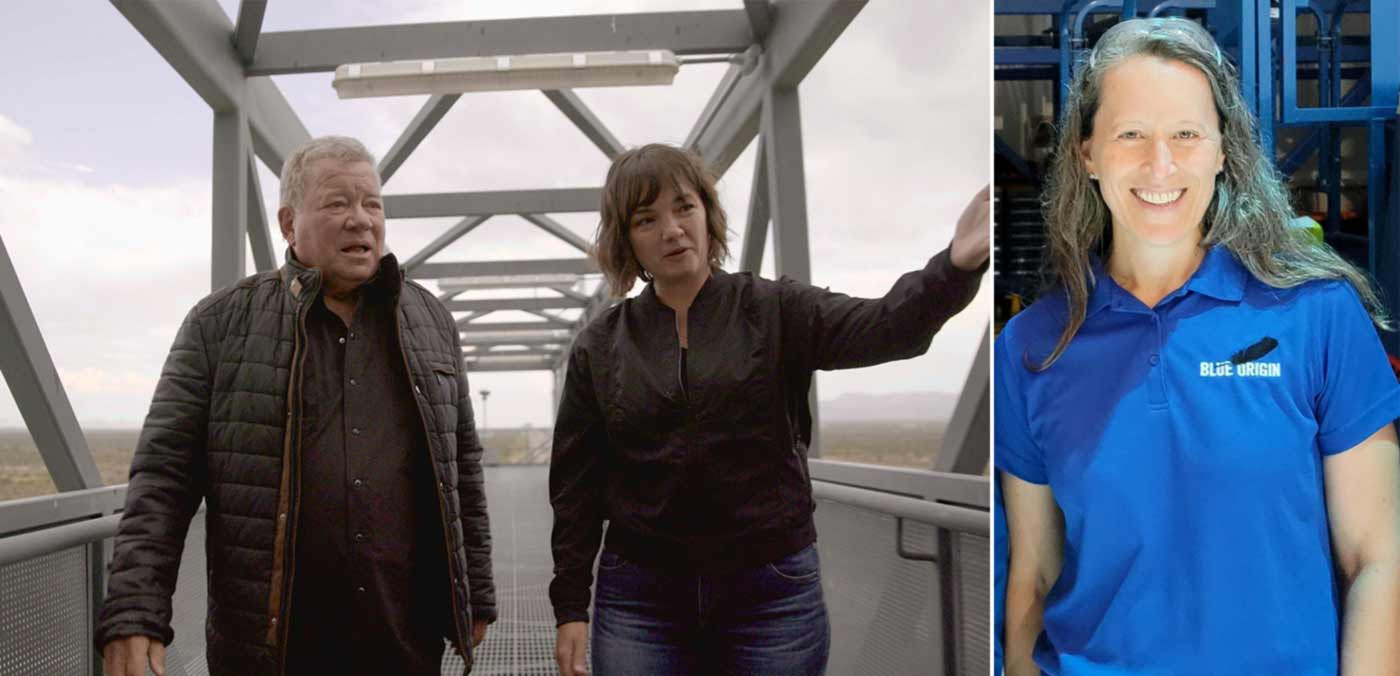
point(499, 73)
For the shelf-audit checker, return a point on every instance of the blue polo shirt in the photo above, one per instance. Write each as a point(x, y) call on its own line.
point(1184, 444)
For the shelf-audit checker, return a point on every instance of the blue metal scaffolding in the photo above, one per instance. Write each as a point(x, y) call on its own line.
point(1262, 38)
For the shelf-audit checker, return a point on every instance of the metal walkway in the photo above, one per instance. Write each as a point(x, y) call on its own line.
point(522, 639)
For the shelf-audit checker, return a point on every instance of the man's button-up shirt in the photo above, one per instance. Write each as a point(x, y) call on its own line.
point(370, 589)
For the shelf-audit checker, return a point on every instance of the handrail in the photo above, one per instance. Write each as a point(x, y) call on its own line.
point(962, 519)
point(37, 543)
point(46, 511)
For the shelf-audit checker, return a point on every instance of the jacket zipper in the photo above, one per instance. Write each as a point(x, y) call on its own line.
point(462, 637)
point(289, 556)
point(680, 361)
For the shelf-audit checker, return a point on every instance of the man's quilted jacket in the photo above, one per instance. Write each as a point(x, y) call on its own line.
point(221, 429)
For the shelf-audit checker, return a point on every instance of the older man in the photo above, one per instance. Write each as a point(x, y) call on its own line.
point(322, 413)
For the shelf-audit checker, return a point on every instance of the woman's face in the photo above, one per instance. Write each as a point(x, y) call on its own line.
point(1156, 149)
point(669, 236)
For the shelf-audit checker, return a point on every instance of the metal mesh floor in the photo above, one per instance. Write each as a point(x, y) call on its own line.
point(522, 639)
point(520, 642)
point(885, 612)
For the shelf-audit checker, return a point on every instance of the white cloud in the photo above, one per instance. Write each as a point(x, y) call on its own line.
point(14, 140)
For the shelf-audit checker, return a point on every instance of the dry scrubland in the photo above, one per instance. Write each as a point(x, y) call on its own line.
point(907, 444)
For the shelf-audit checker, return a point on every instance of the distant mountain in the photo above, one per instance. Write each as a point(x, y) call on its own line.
point(859, 407)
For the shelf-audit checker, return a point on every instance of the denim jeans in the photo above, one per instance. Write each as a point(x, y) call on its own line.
point(765, 620)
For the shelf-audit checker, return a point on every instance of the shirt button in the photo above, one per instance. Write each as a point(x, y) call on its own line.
point(1153, 360)
point(358, 483)
point(282, 516)
point(360, 589)
point(355, 431)
point(352, 381)
point(342, 340)
point(359, 537)
point(274, 621)
point(352, 335)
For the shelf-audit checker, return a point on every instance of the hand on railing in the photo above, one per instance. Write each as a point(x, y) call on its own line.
point(128, 655)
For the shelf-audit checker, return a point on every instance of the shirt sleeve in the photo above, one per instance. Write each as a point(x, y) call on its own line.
point(1359, 393)
point(1015, 449)
point(826, 330)
point(576, 479)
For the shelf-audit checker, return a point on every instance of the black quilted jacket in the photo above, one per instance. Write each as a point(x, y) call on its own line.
point(221, 429)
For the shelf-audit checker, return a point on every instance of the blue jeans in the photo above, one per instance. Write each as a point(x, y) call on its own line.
point(765, 620)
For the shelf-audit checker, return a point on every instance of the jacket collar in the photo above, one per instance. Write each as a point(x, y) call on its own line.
point(652, 303)
point(302, 282)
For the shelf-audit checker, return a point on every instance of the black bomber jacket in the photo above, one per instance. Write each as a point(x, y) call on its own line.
point(706, 471)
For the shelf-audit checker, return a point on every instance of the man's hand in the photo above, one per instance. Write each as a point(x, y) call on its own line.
point(128, 655)
point(478, 632)
point(972, 238)
point(571, 649)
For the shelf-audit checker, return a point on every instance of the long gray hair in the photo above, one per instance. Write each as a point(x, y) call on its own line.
point(1249, 213)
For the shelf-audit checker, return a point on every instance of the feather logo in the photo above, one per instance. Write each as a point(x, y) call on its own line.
point(1255, 351)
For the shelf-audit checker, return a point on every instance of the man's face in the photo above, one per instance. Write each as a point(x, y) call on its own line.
point(339, 226)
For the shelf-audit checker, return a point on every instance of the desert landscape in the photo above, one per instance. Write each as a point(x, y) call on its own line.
point(885, 442)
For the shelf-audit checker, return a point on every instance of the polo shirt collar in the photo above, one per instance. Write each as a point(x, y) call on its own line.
point(1220, 276)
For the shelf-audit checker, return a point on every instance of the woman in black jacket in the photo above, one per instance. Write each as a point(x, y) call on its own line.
point(684, 423)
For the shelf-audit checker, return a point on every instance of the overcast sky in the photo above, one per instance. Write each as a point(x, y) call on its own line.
point(105, 157)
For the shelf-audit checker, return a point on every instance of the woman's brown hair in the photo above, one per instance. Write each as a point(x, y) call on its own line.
point(634, 180)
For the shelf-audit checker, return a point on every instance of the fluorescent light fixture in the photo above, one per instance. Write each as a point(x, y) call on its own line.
point(497, 73)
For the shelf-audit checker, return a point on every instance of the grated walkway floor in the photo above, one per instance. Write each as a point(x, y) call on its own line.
point(522, 639)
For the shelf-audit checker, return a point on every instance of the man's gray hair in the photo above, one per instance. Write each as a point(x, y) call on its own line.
point(294, 170)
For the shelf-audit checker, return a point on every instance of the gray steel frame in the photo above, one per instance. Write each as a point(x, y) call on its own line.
point(37, 389)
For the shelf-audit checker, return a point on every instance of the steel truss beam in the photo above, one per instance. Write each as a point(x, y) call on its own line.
point(471, 339)
point(510, 364)
point(965, 444)
point(578, 266)
point(194, 37)
point(804, 31)
point(260, 237)
point(497, 327)
point(452, 234)
point(248, 26)
point(323, 50)
point(553, 319)
point(557, 229)
point(573, 108)
point(228, 262)
point(513, 304)
point(509, 282)
point(37, 389)
point(428, 116)
point(787, 203)
point(756, 233)
point(433, 205)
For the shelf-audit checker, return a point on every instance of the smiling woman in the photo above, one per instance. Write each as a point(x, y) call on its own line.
point(1193, 427)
